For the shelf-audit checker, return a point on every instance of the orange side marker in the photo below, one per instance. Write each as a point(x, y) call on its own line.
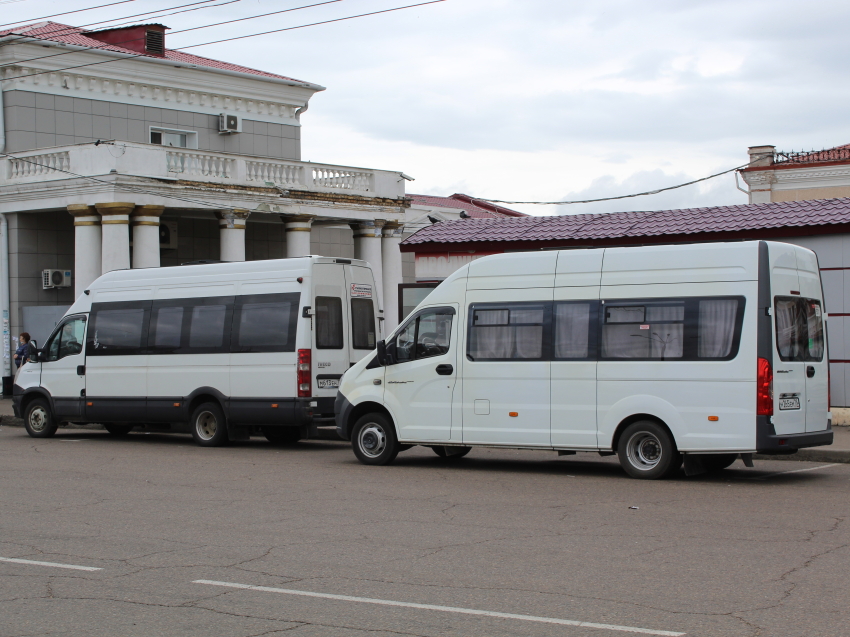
point(513, 414)
point(713, 418)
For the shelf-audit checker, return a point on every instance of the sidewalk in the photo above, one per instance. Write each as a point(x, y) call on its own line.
point(839, 451)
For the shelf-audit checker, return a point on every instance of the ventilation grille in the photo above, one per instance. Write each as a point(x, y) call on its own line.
point(155, 42)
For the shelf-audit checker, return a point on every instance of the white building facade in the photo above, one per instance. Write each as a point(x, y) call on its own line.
point(117, 157)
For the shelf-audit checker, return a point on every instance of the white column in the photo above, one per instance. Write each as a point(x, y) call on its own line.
point(297, 235)
point(145, 222)
point(367, 246)
point(115, 240)
point(87, 250)
point(231, 224)
point(391, 269)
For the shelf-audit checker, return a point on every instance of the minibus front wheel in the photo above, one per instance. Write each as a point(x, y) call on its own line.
point(373, 440)
point(209, 428)
point(647, 450)
point(38, 419)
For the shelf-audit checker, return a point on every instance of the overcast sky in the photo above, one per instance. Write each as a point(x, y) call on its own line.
point(541, 99)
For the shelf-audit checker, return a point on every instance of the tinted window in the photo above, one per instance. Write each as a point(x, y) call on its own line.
point(328, 322)
point(206, 329)
point(118, 330)
point(362, 324)
point(799, 329)
point(514, 332)
point(265, 325)
point(573, 330)
point(716, 331)
point(167, 325)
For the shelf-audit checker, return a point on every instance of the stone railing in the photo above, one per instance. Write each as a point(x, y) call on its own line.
point(160, 162)
point(29, 167)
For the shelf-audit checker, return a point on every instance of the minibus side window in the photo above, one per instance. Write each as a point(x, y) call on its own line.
point(329, 322)
point(573, 330)
point(118, 328)
point(167, 325)
point(509, 332)
point(362, 324)
point(644, 330)
point(207, 327)
point(265, 322)
point(716, 331)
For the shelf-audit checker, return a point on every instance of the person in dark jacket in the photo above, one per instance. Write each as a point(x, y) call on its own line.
point(23, 351)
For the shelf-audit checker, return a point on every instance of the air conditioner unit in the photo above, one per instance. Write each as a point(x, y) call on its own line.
point(55, 279)
point(229, 124)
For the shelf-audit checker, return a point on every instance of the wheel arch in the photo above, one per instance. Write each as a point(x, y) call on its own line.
point(364, 408)
point(30, 395)
point(203, 395)
point(624, 424)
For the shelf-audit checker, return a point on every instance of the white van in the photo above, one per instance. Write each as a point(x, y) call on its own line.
point(222, 350)
point(662, 355)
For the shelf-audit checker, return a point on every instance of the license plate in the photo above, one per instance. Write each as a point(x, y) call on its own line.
point(329, 383)
point(789, 403)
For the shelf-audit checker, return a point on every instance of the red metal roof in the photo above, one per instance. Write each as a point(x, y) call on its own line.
point(475, 208)
point(792, 216)
point(56, 32)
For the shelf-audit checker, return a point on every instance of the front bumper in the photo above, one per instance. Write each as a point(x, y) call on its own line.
point(342, 413)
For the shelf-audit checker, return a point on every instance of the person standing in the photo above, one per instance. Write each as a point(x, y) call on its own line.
point(23, 351)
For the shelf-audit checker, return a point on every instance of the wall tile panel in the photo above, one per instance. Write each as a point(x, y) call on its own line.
point(45, 101)
point(99, 107)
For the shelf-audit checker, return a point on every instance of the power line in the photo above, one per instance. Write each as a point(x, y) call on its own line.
point(44, 17)
point(107, 44)
point(78, 66)
point(637, 194)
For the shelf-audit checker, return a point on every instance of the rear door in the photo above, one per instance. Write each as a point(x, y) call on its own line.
point(789, 368)
point(817, 360)
point(364, 328)
point(330, 331)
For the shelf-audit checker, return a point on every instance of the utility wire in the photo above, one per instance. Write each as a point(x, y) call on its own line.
point(637, 194)
point(242, 37)
point(105, 45)
point(44, 17)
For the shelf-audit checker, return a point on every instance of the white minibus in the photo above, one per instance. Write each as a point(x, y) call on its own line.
point(223, 350)
point(663, 355)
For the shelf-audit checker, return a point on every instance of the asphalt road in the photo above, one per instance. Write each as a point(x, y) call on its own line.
point(260, 540)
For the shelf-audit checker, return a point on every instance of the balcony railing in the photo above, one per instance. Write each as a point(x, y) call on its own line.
point(147, 160)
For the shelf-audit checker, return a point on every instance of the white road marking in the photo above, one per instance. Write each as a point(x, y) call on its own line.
point(444, 609)
point(15, 560)
point(782, 473)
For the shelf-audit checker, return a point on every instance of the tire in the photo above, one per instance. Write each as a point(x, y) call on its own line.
point(38, 419)
point(717, 462)
point(118, 430)
point(374, 440)
point(282, 435)
point(451, 453)
point(209, 427)
point(648, 451)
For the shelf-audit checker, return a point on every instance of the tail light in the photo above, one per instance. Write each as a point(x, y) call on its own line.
point(764, 388)
point(303, 374)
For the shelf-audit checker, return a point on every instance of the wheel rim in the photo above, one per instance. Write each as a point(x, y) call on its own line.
point(372, 440)
point(38, 419)
point(206, 425)
point(644, 450)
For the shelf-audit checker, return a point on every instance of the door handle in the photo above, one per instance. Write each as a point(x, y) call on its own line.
point(810, 371)
point(81, 370)
point(445, 369)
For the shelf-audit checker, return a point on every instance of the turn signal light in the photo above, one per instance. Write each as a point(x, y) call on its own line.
point(764, 388)
point(713, 418)
point(303, 373)
point(513, 414)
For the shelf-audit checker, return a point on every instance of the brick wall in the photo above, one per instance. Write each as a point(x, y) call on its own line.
point(35, 120)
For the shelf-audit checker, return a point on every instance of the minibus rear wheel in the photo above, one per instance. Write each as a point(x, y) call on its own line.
point(209, 428)
point(648, 451)
point(38, 419)
point(374, 440)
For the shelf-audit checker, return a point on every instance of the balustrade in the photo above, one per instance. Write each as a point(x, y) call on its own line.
point(38, 165)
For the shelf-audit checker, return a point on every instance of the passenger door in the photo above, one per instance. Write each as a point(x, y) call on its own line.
point(363, 306)
point(420, 384)
point(63, 368)
point(506, 374)
point(331, 332)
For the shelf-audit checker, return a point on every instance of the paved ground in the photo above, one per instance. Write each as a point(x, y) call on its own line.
point(761, 551)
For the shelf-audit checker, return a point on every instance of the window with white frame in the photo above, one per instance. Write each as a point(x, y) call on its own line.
point(174, 138)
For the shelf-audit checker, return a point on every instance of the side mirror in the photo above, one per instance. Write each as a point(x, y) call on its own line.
point(382, 353)
point(36, 356)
